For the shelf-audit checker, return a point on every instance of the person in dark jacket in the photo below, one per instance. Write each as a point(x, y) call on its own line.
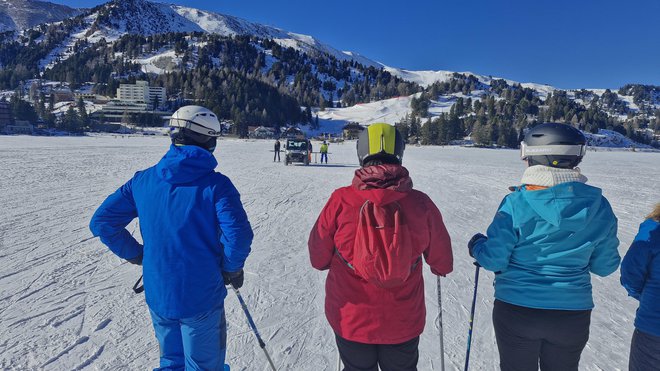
point(309, 151)
point(375, 325)
point(546, 238)
point(196, 240)
point(277, 150)
point(640, 276)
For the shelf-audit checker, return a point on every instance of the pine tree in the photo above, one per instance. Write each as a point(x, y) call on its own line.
point(71, 121)
point(82, 111)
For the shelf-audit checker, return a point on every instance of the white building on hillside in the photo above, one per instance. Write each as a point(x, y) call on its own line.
point(141, 92)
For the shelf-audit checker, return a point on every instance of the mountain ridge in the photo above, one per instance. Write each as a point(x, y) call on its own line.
point(121, 41)
point(17, 15)
point(117, 17)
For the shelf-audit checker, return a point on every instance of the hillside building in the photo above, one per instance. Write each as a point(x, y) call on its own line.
point(117, 111)
point(261, 132)
point(62, 95)
point(6, 117)
point(19, 127)
point(141, 92)
point(352, 130)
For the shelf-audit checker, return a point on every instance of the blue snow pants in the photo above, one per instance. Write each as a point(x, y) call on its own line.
point(196, 343)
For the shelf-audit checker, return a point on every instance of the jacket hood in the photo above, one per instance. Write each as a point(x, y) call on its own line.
point(184, 164)
point(383, 184)
point(570, 206)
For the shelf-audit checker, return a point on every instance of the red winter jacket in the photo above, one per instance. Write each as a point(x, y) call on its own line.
point(360, 311)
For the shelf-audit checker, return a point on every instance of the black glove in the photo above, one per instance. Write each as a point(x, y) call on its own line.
point(474, 240)
point(136, 260)
point(233, 278)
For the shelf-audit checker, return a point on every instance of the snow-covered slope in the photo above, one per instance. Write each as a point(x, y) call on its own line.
point(612, 139)
point(66, 302)
point(141, 17)
point(387, 110)
point(427, 78)
point(22, 14)
point(227, 25)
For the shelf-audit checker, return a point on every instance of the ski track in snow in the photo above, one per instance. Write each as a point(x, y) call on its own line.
point(66, 302)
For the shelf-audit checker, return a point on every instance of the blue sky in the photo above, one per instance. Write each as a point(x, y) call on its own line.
point(565, 43)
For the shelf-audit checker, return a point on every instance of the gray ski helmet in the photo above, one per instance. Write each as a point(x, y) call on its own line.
point(555, 145)
point(381, 142)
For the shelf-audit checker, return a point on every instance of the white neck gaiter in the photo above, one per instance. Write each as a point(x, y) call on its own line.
point(547, 176)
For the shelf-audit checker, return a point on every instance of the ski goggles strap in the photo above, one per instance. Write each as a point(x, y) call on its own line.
point(192, 125)
point(556, 149)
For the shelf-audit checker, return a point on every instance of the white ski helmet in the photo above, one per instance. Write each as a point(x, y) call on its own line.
point(195, 125)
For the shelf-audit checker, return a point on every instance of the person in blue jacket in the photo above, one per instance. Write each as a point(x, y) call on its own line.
point(640, 276)
point(546, 238)
point(196, 239)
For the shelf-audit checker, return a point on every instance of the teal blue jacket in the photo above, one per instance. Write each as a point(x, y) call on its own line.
point(543, 244)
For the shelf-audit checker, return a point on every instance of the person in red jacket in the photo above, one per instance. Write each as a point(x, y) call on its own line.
point(378, 317)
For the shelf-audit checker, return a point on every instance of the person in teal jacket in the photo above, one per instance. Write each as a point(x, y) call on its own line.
point(547, 236)
point(640, 276)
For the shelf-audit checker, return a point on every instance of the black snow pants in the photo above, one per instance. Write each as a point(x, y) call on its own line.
point(367, 357)
point(527, 337)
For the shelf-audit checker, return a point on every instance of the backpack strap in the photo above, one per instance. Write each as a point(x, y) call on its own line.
point(344, 260)
point(417, 261)
point(412, 268)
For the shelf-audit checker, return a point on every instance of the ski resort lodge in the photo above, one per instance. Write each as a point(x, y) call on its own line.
point(141, 92)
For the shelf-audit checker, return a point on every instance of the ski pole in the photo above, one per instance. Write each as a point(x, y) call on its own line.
point(440, 329)
point(253, 326)
point(474, 304)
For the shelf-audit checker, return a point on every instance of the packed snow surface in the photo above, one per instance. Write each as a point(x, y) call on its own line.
point(66, 302)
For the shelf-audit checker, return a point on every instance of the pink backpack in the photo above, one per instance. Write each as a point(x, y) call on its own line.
point(383, 251)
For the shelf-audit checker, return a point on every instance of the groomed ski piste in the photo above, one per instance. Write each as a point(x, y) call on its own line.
point(66, 301)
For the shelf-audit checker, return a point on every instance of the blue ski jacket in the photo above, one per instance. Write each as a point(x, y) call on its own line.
point(542, 245)
point(640, 276)
point(193, 226)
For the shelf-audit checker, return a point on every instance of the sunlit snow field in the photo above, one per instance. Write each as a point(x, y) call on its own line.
point(66, 302)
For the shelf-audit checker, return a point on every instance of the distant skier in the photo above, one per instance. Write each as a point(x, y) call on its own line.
point(277, 150)
point(324, 151)
point(196, 239)
point(546, 237)
point(640, 275)
point(374, 289)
